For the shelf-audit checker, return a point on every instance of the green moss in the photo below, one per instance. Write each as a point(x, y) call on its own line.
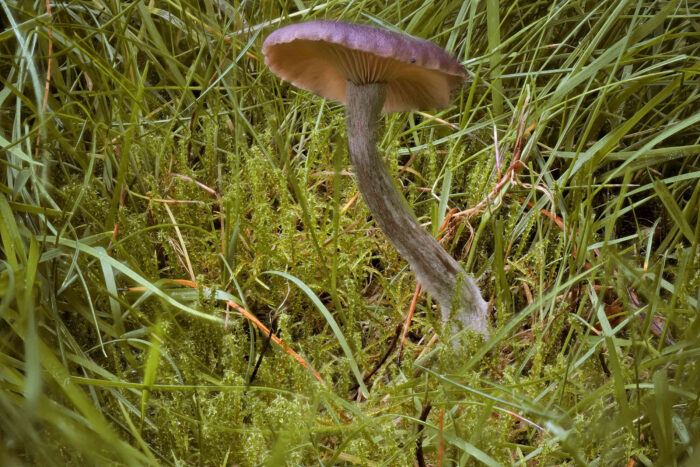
point(176, 102)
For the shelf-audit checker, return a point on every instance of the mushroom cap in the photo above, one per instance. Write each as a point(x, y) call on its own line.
point(321, 56)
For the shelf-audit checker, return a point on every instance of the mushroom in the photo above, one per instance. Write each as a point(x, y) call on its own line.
point(374, 70)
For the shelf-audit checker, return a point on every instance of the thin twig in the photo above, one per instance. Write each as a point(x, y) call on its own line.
point(419, 442)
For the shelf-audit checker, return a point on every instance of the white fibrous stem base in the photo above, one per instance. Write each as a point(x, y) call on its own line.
point(460, 300)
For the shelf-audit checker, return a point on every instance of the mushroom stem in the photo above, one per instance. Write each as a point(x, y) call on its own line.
point(440, 274)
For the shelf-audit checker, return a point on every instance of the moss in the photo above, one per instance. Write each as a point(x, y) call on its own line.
point(544, 386)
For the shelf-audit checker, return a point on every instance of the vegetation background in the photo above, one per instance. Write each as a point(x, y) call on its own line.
point(157, 182)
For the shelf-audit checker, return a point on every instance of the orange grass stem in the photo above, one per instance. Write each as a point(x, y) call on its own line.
point(252, 318)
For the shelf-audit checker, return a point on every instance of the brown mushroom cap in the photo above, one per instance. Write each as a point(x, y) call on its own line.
point(321, 56)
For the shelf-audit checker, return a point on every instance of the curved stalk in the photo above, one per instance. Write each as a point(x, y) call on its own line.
point(440, 274)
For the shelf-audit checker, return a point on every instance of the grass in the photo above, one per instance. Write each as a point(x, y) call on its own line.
point(157, 181)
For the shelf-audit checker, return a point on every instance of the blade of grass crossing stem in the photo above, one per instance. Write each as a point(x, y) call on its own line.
point(16, 151)
point(332, 323)
point(468, 448)
point(7, 298)
point(32, 381)
point(459, 22)
point(494, 41)
point(660, 415)
point(123, 150)
point(11, 241)
point(151, 368)
point(337, 168)
point(137, 435)
point(26, 56)
point(102, 256)
point(170, 61)
point(88, 295)
point(87, 177)
point(499, 267)
point(20, 181)
point(523, 404)
point(614, 359)
point(674, 210)
point(111, 285)
point(444, 197)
